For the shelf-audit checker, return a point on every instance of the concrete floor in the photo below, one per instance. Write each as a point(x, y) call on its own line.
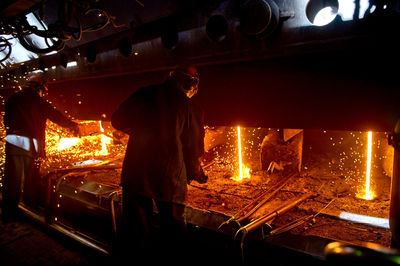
point(24, 242)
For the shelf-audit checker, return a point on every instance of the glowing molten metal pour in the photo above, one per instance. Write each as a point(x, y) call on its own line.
point(244, 172)
point(66, 143)
point(104, 141)
point(368, 194)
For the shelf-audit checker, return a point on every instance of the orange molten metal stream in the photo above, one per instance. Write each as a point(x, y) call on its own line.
point(244, 172)
point(104, 141)
point(240, 155)
point(368, 192)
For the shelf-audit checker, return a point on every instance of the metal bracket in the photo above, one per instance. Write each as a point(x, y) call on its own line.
point(267, 227)
point(284, 15)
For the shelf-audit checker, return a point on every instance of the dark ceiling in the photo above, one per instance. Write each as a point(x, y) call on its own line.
point(123, 15)
point(12, 8)
point(271, 68)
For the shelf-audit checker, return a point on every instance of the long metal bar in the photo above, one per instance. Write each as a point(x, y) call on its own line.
point(251, 206)
point(62, 230)
point(266, 218)
point(297, 222)
point(261, 203)
point(113, 195)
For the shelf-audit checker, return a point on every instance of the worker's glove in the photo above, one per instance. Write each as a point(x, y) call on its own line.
point(201, 178)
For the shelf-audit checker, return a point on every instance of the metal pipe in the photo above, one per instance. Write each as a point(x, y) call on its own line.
point(112, 197)
point(266, 218)
point(236, 218)
point(249, 213)
point(297, 222)
point(63, 230)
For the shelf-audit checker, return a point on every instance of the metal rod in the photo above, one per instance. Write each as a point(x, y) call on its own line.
point(209, 164)
point(63, 230)
point(112, 210)
point(297, 222)
point(251, 205)
point(261, 203)
point(263, 219)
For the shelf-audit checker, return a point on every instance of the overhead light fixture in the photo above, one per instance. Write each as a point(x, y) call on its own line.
point(72, 64)
point(322, 12)
point(259, 18)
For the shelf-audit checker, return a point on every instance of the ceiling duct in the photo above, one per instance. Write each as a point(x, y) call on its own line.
point(259, 18)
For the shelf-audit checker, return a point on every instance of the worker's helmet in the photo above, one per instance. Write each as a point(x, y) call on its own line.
point(37, 83)
point(187, 79)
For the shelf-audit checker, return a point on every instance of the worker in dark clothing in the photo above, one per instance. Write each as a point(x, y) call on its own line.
point(165, 144)
point(25, 119)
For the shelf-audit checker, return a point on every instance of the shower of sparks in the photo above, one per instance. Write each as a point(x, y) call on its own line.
point(348, 156)
point(244, 172)
point(66, 143)
point(89, 147)
point(221, 143)
point(355, 161)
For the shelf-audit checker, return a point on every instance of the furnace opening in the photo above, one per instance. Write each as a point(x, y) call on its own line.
point(330, 166)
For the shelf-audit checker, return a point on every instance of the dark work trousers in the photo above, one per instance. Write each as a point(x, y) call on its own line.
point(144, 233)
point(21, 181)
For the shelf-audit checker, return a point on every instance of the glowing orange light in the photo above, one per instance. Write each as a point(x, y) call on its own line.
point(104, 141)
point(368, 194)
point(66, 143)
point(244, 172)
point(240, 155)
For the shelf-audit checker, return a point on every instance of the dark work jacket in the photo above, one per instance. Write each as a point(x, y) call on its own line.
point(165, 143)
point(26, 114)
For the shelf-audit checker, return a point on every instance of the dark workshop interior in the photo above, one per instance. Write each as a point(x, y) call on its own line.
point(301, 121)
